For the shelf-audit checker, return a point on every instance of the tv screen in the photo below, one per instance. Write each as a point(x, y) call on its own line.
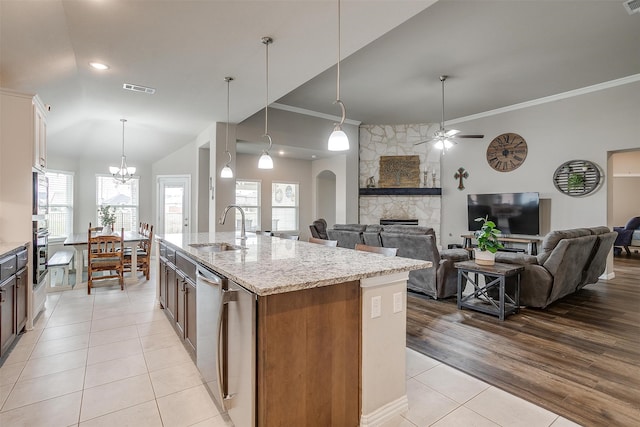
point(513, 213)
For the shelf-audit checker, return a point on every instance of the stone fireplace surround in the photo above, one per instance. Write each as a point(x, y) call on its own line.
point(399, 140)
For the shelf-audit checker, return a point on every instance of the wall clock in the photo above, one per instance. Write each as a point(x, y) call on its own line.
point(577, 177)
point(506, 152)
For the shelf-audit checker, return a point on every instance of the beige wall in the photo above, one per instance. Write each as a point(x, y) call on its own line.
point(574, 128)
point(284, 170)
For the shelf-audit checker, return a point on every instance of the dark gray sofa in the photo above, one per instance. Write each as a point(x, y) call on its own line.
point(347, 235)
point(568, 261)
point(412, 241)
point(440, 281)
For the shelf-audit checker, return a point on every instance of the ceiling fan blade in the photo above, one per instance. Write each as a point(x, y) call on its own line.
point(468, 136)
point(424, 141)
point(451, 132)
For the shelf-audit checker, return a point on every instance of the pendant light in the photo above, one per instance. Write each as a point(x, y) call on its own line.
point(123, 173)
point(338, 140)
point(226, 171)
point(266, 162)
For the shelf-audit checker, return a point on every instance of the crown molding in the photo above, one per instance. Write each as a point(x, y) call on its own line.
point(564, 95)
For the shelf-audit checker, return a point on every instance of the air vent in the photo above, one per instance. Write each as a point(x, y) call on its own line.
point(632, 6)
point(138, 88)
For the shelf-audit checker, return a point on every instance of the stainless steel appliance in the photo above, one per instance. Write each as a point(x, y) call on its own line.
point(40, 240)
point(226, 351)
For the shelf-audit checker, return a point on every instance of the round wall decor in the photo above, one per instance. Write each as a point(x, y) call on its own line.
point(577, 177)
point(507, 152)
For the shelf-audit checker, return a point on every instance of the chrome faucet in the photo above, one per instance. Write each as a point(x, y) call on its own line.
point(243, 232)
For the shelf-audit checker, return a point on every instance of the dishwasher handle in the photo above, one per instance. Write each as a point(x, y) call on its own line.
point(209, 277)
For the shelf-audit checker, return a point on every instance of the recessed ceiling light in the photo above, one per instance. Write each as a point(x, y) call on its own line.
point(281, 152)
point(313, 156)
point(99, 65)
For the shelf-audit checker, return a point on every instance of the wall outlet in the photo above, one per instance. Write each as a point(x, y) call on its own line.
point(397, 302)
point(376, 307)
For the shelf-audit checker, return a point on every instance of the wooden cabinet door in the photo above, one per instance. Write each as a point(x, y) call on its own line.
point(190, 315)
point(22, 285)
point(7, 314)
point(172, 292)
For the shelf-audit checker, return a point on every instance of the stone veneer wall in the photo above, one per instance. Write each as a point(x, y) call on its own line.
point(399, 140)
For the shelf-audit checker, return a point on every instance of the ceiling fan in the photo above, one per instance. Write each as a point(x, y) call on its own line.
point(445, 138)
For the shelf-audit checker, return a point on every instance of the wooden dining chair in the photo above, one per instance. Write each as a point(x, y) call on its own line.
point(143, 254)
point(324, 242)
point(105, 254)
point(377, 249)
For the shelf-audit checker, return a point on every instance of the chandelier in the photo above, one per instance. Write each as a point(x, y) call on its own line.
point(123, 173)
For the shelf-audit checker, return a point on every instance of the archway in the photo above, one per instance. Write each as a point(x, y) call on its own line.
point(326, 196)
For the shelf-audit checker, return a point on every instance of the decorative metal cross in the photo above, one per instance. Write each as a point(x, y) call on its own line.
point(461, 174)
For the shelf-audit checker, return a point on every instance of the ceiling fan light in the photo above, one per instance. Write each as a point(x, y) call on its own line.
point(226, 172)
point(265, 161)
point(439, 145)
point(338, 140)
point(447, 144)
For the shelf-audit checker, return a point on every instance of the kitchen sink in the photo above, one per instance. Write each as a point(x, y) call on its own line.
point(215, 247)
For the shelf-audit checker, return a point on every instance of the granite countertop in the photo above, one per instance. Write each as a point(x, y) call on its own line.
point(6, 247)
point(271, 265)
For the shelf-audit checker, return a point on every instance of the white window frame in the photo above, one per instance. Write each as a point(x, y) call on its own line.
point(70, 190)
point(296, 208)
point(252, 227)
point(135, 207)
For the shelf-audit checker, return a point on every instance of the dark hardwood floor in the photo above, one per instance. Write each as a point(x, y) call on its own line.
point(579, 358)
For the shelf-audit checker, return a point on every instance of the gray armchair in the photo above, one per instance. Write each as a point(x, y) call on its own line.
point(440, 281)
point(558, 270)
point(319, 229)
point(625, 235)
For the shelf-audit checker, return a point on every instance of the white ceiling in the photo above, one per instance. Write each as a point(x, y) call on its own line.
point(497, 53)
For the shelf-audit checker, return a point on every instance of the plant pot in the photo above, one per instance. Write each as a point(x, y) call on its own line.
point(484, 257)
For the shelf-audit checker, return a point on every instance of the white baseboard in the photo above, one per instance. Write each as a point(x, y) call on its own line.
point(607, 276)
point(385, 413)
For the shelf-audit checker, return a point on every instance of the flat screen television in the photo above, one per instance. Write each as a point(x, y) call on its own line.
point(513, 213)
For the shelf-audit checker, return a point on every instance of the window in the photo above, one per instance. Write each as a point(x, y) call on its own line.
point(248, 198)
point(60, 216)
point(284, 206)
point(123, 197)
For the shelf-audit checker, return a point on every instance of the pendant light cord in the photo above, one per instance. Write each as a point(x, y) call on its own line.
point(267, 41)
point(123, 122)
point(338, 101)
point(226, 143)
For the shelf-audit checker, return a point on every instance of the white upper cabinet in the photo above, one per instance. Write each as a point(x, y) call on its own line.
point(39, 134)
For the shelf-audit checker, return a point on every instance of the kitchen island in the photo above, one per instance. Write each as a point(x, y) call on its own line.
point(330, 324)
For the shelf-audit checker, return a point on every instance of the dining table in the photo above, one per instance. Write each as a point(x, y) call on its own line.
point(79, 243)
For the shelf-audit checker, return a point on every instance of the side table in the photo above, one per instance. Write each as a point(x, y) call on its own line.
point(495, 276)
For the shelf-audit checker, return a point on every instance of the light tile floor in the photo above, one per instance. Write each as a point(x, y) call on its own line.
point(113, 359)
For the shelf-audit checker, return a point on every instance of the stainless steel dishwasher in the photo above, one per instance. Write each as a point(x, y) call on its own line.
point(226, 350)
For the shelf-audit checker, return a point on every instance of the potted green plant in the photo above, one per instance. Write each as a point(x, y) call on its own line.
point(107, 216)
point(488, 243)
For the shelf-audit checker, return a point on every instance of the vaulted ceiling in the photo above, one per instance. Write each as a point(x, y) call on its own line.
point(497, 53)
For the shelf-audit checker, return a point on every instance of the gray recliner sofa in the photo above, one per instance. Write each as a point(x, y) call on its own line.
point(347, 235)
point(440, 281)
point(569, 260)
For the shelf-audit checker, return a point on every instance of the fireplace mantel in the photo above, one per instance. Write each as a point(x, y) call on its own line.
point(418, 191)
